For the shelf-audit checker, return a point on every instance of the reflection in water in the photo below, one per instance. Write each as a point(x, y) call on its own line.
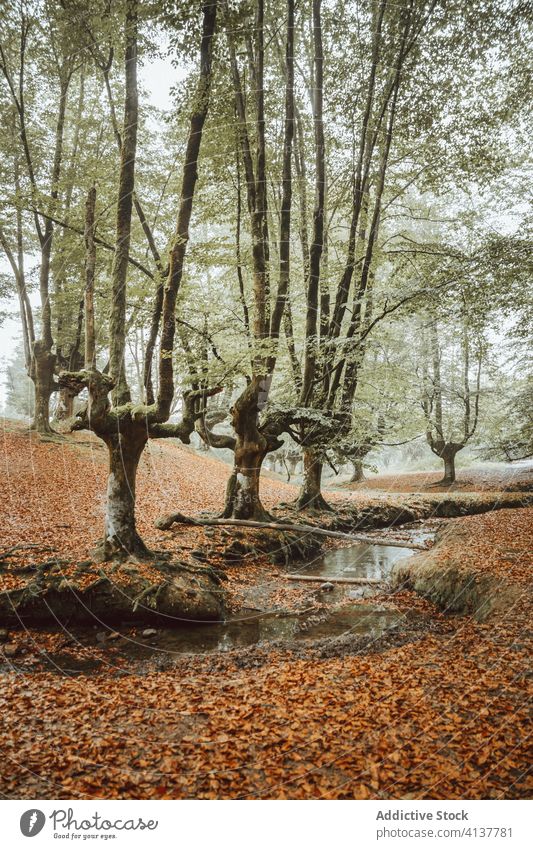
point(264, 628)
point(255, 629)
point(359, 561)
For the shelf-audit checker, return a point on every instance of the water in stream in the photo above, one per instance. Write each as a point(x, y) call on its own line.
point(357, 561)
point(252, 627)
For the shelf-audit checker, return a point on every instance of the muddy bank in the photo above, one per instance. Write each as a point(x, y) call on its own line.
point(247, 642)
point(166, 594)
point(393, 512)
point(441, 576)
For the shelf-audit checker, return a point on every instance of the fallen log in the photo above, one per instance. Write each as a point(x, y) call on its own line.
point(323, 580)
point(166, 522)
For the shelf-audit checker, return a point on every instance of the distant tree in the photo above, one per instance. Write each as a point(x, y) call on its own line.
point(19, 395)
point(450, 393)
point(508, 433)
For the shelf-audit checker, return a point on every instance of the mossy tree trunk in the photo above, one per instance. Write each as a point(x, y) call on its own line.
point(120, 532)
point(243, 499)
point(310, 497)
point(42, 374)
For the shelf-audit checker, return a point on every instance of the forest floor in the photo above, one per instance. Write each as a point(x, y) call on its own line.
point(438, 709)
point(481, 477)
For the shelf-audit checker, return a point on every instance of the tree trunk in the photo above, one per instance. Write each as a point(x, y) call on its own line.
point(317, 244)
point(119, 273)
point(181, 236)
point(242, 492)
point(120, 535)
point(65, 407)
point(358, 473)
point(42, 374)
point(449, 468)
point(310, 497)
point(90, 270)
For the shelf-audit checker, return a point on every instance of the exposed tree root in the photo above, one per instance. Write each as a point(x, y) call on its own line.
point(174, 592)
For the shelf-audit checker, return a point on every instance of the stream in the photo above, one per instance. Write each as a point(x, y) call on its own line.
point(357, 561)
point(255, 627)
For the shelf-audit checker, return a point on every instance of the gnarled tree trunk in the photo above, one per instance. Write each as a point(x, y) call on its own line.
point(449, 469)
point(310, 497)
point(243, 500)
point(65, 407)
point(242, 493)
point(447, 451)
point(120, 534)
point(358, 474)
point(448, 455)
point(42, 374)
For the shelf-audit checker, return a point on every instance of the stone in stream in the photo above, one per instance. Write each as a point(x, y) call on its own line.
point(326, 587)
point(11, 650)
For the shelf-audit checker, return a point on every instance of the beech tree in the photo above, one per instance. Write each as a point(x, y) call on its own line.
point(329, 222)
point(449, 431)
point(254, 440)
point(125, 427)
point(24, 71)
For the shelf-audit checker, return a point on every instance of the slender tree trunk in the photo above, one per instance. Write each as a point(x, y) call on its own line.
point(117, 346)
point(90, 270)
point(181, 236)
point(315, 253)
point(155, 321)
point(286, 202)
point(310, 497)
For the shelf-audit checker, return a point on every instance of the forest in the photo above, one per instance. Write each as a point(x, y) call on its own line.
point(265, 293)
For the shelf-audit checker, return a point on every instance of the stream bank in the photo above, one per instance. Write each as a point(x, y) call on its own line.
point(442, 576)
point(60, 593)
point(202, 588)
point(389, 511)
point(324, 619)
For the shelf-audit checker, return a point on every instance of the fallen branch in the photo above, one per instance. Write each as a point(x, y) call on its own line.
point(166, 522)
point(322, 579)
